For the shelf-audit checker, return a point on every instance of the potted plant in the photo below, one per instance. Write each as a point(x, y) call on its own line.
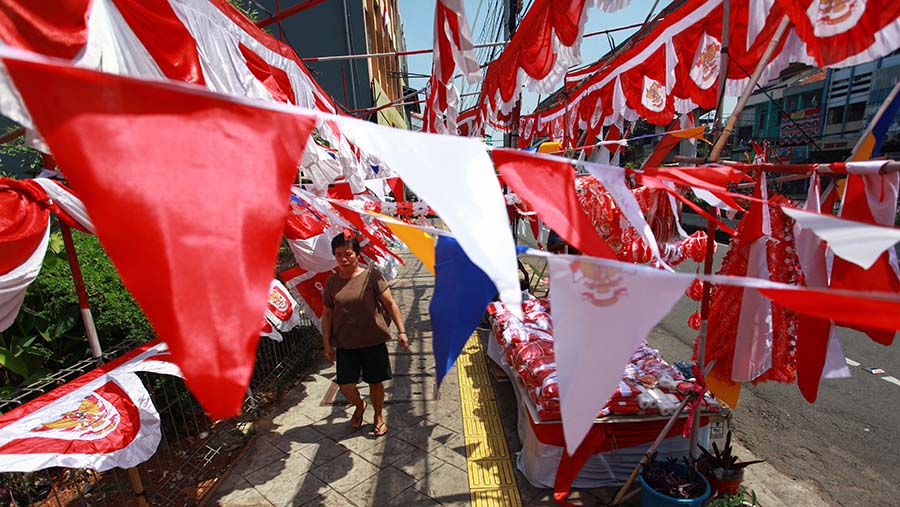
point(722, 468)
point(672, 484)
point(742, 498)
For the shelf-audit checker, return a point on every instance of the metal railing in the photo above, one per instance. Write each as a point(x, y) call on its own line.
point(194, 451)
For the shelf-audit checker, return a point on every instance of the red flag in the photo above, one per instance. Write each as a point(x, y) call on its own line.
point(396, 185)
point(165, 174)
point(548, 187)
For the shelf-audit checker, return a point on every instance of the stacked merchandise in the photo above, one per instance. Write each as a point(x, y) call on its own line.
point(649, 385)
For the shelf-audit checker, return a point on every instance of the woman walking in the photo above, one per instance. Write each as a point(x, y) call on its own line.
point(355, 331)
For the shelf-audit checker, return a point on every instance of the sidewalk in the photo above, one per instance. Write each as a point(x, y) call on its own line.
point(306, 453)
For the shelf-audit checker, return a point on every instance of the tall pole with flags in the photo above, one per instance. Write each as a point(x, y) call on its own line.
point(512, 138)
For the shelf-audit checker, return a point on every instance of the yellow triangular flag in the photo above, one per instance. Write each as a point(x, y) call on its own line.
point(419, 242)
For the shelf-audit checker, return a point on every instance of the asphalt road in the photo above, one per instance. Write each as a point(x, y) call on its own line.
point(845, 446)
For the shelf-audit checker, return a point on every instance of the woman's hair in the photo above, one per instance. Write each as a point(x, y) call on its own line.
point(347, 238)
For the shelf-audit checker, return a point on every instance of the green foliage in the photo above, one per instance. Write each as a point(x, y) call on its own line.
point(742, 498)
point(725, 459)
point(48, 333)
point(246, 8)
point(17, 149)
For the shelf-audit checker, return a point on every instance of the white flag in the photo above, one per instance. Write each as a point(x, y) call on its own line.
point(602, 310)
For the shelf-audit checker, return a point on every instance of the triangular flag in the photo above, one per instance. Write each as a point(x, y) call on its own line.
point(625, 302)
point(856, 242)
point(548, 187)
point(163, 171)
point(461, 293)
point(419, 242)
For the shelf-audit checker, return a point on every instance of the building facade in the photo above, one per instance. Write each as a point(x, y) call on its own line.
point(815, 115)
point(344, 27)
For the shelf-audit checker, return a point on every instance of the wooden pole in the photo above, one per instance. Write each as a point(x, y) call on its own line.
point(138, 486)
point(745, 96)
point(704, 318)
point(652, 449)
point(723, 63)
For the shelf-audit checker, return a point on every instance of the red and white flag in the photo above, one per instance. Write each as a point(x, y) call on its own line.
point(453, 50)
point(282, 311)
point(839, 33)
point(104, 419)
point(601, 311)
point(307, 288)
point(164, 178)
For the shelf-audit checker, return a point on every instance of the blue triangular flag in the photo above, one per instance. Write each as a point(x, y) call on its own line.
point(461, 293)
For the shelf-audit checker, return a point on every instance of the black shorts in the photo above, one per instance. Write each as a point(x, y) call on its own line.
point(373, 362)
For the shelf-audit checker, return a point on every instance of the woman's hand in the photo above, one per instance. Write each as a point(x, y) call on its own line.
point(329, 353)
point(404, 341)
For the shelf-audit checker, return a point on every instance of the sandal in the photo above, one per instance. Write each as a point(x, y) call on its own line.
point(357, 420)
point(380, 429)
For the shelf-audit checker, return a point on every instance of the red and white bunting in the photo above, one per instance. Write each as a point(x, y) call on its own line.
point(104, 419)
point(842, 33)
point(208, 43)
point(453, 50)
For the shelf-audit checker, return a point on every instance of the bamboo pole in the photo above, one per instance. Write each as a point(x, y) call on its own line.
point(723, 63)
point(139, 492)
point(704, 318)
point(652, 449)
point(748, 90)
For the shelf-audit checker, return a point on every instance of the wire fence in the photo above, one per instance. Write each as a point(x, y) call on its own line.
point(194, 451)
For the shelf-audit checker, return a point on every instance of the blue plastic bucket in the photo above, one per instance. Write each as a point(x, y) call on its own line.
point(652, 498)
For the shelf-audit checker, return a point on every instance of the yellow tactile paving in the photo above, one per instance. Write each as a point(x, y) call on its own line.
point(492, 480)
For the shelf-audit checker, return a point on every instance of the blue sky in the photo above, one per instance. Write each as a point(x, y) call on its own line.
point(418, 24)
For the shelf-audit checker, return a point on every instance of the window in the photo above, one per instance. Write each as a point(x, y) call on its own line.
point(855, 112)
point(836, 115)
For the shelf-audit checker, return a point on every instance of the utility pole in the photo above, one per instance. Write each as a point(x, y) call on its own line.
point(512, 138)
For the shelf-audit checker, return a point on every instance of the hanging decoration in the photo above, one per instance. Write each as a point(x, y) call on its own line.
point(104, 419)
point(453, 50)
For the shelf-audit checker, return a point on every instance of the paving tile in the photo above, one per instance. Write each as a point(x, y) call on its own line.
point(381, 488)
point(327, 414)
point(418, 463)
point(455, 456)
point(422, 433)
point(292, 466)
point(401, 415)
point(412, 498)
point(260, 454)
point(387, 451)
point(344, 472)
point(450, 419)
point(330, 498)
point(289, 485)
point(236, 492)
point(449, 486)
point(291, 439)
point(291, 418)
point(361, 441)
point(322, 452)
point(341, 429)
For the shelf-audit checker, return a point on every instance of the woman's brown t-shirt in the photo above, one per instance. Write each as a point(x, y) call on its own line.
point(356, 321)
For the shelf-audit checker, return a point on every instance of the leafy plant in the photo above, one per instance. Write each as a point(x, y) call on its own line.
point(742, 498)
point(724, 464)
point(16, 150)
point(673, 479)
point(47, 334)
